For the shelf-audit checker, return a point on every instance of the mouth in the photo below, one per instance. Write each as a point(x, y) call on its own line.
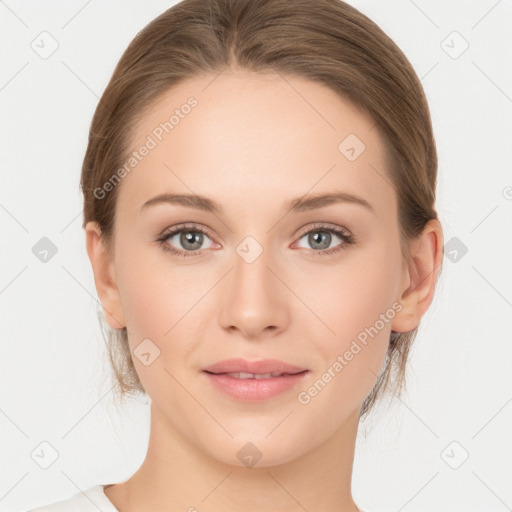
point(257, 376)
point(244, 369)
point(249, 387)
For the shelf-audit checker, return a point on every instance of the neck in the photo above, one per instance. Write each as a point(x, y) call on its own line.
point(177, 476)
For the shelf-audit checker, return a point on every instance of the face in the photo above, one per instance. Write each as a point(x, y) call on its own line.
point(312, 284)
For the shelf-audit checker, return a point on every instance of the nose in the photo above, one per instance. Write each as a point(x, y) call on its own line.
point(254, 298)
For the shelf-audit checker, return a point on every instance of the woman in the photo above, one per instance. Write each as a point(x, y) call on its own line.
point(259, 210)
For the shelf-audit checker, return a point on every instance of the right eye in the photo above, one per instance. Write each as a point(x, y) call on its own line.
point(190, 237)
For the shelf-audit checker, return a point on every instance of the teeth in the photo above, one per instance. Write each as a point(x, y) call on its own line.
point(244, 375)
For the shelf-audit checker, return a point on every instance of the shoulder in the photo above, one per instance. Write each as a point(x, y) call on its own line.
point(91, 500)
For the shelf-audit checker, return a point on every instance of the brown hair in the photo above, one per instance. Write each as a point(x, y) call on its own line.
point(327, 41)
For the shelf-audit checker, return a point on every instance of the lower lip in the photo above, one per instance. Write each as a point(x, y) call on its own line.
point(254, 390)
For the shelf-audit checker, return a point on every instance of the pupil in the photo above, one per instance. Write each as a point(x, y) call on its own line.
point(324, 237)
point(187, 239)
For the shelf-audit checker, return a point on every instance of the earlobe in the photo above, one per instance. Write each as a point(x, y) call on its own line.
point(422, 270)
point(104, 276)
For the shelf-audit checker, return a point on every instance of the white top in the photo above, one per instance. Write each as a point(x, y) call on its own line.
point(92, 500)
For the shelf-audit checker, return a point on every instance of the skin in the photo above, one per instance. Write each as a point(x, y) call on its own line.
point(252, 143)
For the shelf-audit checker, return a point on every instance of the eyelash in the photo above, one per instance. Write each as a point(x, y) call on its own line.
point(346, 237)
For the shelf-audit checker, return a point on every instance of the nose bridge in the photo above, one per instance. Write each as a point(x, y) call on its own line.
point(254, 301)
point(251, 264)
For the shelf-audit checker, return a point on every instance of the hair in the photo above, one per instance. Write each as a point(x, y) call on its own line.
point(327, 41)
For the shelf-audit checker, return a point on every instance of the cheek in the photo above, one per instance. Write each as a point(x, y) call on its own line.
point(161, 300)
point(155, 309)
point(149, 298)
point(355, 302)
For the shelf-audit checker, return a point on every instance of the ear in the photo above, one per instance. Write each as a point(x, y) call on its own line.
point(419, 277)
point(104, 276)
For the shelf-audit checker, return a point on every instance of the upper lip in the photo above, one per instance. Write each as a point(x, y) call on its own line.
point(258, 367)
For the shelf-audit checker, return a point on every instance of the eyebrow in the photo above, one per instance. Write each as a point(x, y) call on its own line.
point(300, 204)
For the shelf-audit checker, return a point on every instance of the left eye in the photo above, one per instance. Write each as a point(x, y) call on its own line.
point(320, 239)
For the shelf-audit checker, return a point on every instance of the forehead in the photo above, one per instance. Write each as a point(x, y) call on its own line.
point(241, 134)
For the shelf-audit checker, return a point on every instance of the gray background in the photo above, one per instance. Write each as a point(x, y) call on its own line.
point(56, 384)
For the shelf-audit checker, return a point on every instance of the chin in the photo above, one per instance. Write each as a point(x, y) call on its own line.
point(250, 449)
